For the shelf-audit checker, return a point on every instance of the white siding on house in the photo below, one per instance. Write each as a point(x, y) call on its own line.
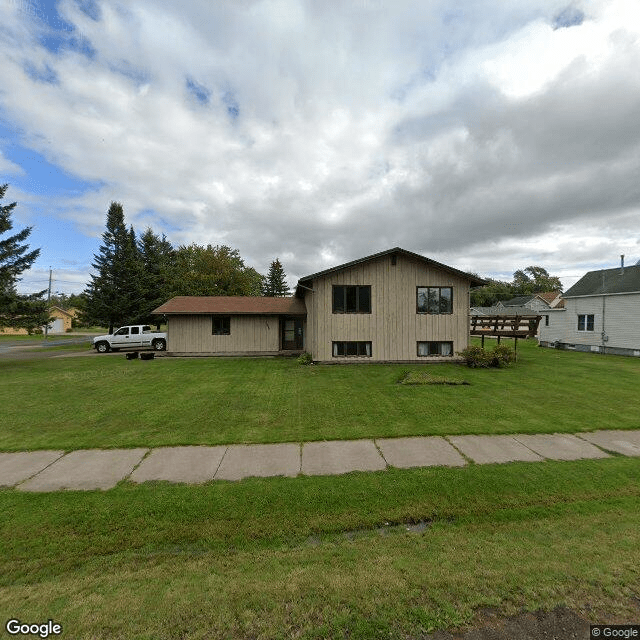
point(393, 326)
point(621, 322)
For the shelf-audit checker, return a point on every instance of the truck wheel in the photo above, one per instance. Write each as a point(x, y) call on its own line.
point(102, 347)
point(159, 345)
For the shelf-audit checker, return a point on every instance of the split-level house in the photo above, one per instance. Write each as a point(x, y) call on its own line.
point(601, 313)
point(393, 306)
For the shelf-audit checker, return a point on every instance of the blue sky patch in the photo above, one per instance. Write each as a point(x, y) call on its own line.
point(41, 74)
point(198, 91)
point(233, 108)
point(569, 17)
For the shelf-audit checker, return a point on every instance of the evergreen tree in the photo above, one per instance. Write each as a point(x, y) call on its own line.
point(113, 297)
point(275, 284)
point(157, 256)
point(19, 311)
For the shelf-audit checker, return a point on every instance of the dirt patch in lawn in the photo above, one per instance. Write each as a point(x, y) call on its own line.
point(560, 623)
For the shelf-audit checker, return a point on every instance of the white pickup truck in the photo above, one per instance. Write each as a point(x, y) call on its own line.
point(137, 336)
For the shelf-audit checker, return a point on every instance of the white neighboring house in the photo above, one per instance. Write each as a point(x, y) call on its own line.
point(601, 313)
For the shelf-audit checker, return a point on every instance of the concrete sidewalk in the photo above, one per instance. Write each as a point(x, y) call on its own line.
point(105, 468)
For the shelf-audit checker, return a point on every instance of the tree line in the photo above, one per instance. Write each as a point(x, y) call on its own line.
point(132, 276)
point(135, 275)
point(525, 282)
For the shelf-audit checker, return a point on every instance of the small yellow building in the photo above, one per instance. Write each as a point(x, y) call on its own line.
point(61, 321)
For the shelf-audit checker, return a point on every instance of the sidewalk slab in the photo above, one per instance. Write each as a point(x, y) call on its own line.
point(86, 469)
point(429, 451)
point(340, 456)
point(17, 467)
point(191, 464)
point(558, 446)
point(261, 460)
point(625, 442)
point(489, 449)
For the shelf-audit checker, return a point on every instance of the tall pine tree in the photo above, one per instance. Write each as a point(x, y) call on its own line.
point(275, 284)
point(113, 297)
point(157, 255)
point(18, 311)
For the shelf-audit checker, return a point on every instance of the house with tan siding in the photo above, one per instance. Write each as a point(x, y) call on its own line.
point(601, 314)
point(393, 306)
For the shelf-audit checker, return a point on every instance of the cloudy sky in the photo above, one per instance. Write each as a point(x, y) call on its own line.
point(485, 134)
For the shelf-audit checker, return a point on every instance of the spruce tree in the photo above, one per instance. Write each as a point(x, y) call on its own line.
point(18, 311)
point(157, 255)
point(113, 297)
point(275, 284)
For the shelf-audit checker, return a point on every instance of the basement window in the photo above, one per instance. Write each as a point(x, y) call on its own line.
point(434, 348)
point(221, 325)
point(348, 349)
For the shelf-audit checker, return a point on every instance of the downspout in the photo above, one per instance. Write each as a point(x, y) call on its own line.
point(604, 302)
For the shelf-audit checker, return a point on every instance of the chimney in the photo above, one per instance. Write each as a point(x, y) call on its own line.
point(622, 264)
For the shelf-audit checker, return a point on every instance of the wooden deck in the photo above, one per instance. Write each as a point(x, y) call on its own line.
point(506, 326)
point(503, 326)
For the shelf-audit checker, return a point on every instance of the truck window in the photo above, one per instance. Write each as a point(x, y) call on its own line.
point(146, 328)
point(135, 330)
point(122, 332)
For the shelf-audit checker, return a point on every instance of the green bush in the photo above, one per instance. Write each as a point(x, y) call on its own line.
point(503, 355)
point(499, 356)
point(305, 358)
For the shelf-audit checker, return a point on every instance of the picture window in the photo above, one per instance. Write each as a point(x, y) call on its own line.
point(351, 299)
point(434, 300)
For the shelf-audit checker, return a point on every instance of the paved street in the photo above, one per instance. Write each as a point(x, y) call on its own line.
point(103, 469)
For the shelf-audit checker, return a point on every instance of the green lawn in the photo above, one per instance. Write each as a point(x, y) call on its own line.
point(307, 558)
point(317, 557)
point(72, 403)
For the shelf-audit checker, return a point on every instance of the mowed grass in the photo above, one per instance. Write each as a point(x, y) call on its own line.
point(317, 557)
point(94, 401)
point(270, 558)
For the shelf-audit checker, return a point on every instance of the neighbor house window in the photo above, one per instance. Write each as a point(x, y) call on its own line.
point(351, 299)
point(585, 322)
point(435, 348)
point(221, 325)
point(435, 300)
point(352, 349)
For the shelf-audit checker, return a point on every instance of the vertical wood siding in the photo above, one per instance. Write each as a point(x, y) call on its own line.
point(249, 334)
point(393, 326)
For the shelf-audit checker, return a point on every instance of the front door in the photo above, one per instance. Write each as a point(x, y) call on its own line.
point(292, 339)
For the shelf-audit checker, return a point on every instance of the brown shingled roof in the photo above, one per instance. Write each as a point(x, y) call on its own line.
point(232, 305)
point(548, 296)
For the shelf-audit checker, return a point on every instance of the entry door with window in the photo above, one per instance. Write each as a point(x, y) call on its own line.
point(292, 339)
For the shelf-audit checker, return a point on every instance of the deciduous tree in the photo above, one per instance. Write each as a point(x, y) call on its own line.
point(213, 271)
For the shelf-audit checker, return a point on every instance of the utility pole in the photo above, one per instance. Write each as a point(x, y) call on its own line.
point(46, 326)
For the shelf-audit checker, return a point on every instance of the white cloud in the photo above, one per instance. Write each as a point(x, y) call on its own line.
point(327, 131)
